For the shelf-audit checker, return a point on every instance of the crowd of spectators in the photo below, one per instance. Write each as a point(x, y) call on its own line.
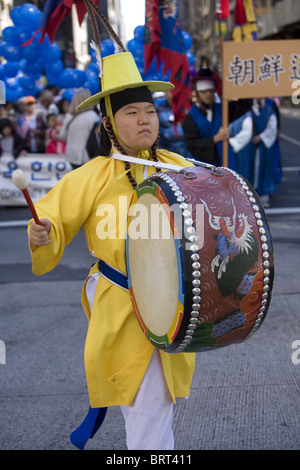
point(43, 125)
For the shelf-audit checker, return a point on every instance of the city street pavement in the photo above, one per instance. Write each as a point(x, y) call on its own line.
point(243, 397)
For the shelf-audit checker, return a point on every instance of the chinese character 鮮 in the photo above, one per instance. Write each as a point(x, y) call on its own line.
point(271, 66)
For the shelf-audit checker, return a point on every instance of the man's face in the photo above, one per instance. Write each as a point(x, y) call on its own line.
point(206, 97)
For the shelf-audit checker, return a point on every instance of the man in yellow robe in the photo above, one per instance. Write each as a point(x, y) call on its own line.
point(120, 363)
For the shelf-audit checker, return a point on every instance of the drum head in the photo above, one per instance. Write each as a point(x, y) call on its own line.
point(154, 267)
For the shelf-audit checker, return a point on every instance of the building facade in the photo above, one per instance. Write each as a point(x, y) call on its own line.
point(276, 19)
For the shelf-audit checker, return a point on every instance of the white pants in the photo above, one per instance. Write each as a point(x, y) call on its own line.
point(148, 420)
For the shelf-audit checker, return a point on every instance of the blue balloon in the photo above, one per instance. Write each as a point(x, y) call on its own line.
point(31, 52)
point(67, 78)
point(11, 34)
point(93, 55)
point(31, 91)
point(13, 94)
point(93, 67)
point(190, 57)
point(138, 34)
point(187, 40)
point(34, 68)
point(93, 86)
point(11, 52)
point(68, 94)
point(51, 53)
point(91, 75)
point(11, 82)
point(152, 76)
point(54, 67)
point(2, 46)
point(25, 80)
point(107, 47)
point(133, 45)
point(1, 71)
point(16, 16)
point(22, 35)
point(46, 41)
point(31, 16)
point(139, 60)
point(138, 54)
point(10, 69)
point(22, 65)
point(80, 77)
point(53, 79)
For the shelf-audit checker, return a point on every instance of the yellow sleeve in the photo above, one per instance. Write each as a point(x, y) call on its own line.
point(67, 206)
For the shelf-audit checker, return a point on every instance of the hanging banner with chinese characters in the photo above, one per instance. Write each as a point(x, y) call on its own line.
point(260, 69)
point(42, 171)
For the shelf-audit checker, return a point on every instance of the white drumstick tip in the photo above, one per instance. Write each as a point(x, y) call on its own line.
point(19, 179)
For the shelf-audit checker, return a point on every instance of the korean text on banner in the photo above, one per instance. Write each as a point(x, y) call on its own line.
point(42, 172)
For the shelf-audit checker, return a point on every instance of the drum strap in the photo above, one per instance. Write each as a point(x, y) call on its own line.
point(113, 275)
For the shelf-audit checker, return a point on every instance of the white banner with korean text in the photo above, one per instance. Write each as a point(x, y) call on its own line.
point(42, 171)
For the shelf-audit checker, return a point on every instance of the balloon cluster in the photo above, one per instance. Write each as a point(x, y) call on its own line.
point(25, 68)
point(136, 47)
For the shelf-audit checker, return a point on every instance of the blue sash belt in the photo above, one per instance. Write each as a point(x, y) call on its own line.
point(113, 275)
point(95, 416)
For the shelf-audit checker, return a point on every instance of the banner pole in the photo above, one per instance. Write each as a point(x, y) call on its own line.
point(224, 113)
point(225, 124)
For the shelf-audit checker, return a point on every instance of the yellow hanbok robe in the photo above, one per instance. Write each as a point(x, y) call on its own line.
point(117, 353)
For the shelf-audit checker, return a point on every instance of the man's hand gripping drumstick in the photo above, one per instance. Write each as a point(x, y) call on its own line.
point(39, 229)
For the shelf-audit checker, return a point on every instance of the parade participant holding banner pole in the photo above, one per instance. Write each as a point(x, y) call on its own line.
point(122, 367)
point(204, 133)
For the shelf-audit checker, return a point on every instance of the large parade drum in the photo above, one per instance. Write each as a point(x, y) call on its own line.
point(199, 259)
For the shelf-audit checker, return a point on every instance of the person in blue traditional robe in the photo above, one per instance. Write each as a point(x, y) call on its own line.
point(203, 131)
point(277, 151)
point(241, 132)
point(261, 151)
point(202, 125)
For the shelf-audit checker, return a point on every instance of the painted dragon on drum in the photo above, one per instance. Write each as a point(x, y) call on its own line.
point(235, 237)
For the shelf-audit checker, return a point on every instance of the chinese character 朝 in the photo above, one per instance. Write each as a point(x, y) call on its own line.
point(242, 71)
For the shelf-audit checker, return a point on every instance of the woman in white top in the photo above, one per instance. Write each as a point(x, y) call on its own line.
point(76, 129)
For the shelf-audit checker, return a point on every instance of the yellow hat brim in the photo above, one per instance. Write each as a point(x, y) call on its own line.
point(153, 86)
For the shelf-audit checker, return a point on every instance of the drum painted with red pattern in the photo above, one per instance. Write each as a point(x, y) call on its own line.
point(199, 259)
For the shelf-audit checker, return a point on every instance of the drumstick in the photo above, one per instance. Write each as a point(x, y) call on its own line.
point(19, 180)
